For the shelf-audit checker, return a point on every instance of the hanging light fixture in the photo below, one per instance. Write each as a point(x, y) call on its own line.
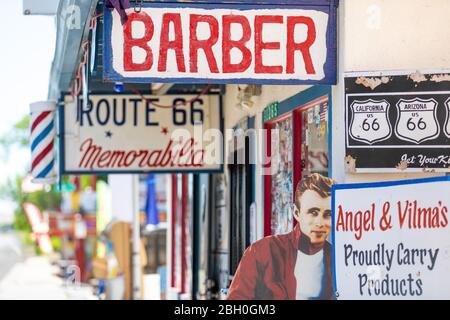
point(245, 94)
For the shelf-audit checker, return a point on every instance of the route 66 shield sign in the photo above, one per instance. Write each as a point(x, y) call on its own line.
point(447, 123)
point(370, 122)
point(417, 121)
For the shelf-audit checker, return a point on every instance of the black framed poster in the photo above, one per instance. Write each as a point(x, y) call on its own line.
point(397, 121)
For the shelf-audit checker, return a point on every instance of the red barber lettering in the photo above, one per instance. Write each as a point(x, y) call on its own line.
point(210, 43)
point(130, 42)
point(176, 44)
point(304, 47)
point(260, 45)
point(228, 44)
point(205, 45)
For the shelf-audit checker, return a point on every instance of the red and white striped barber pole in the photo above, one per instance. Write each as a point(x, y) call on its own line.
point(42, 119)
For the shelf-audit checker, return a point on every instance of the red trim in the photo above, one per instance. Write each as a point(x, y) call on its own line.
point(77, 183)
point(279, 118)
point(81, 258)
point(267, 181)
point(94, 182)
point(173, 278)
point(39, 119)
point(184, 208)
point(297, 156)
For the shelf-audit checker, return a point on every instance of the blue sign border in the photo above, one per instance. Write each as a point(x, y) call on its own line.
point(366, 186)
point(62, 167)
point(327, 6)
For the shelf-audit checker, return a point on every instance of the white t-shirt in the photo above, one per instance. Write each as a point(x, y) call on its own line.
point(309, 274)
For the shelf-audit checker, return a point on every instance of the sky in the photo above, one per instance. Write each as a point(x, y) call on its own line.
point(26, 52)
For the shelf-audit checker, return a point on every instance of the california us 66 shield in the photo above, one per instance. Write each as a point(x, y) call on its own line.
point(370, 122)
point(417, 121)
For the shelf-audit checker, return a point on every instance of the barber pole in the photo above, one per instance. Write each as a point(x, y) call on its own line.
point(42, 136)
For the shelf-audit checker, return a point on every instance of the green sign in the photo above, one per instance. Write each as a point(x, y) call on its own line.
point(270, 112)
point(65, 187)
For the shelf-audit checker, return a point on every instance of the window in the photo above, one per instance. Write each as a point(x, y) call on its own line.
point(282, 175)
point(297, 143)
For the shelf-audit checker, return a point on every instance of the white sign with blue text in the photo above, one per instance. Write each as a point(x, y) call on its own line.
point(132, 134)
point(392, 241)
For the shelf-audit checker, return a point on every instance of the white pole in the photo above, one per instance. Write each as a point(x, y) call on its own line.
point(136, 256)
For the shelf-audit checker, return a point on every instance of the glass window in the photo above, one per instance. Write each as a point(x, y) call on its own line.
point(282, 166)
point(298, 147)
point(314, 139)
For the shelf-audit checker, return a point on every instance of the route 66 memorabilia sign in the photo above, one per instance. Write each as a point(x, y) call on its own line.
point(417, 120)
point(398, 121)
point(370, 121)
point(134, 134)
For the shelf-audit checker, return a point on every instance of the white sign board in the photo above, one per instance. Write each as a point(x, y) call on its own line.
point(223, 44)
point(392, 240)
point(132, 134)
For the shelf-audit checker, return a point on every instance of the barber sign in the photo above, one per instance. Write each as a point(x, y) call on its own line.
point(222, 43)
point(134, 134)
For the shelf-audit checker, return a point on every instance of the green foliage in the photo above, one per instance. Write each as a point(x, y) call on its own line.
point(19, 136)
point(57, 243)
point(12, 190)
point(44, 200)
point(25, 237)
point(21, 221)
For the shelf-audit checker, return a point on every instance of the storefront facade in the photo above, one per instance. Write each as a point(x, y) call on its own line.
point(214, 217)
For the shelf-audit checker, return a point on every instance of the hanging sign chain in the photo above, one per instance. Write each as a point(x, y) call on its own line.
point(138, 6)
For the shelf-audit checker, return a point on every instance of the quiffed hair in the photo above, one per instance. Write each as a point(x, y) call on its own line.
point(315, 182)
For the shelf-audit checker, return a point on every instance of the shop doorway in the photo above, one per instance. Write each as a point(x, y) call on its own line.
point(241, 191)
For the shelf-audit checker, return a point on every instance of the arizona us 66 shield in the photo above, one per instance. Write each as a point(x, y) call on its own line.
point(417, 120)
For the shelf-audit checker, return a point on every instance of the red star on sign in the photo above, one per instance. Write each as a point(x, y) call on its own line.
point(165, 131)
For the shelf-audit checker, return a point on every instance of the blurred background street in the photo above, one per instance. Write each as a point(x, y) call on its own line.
point(23, 275)
point(11, 252)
